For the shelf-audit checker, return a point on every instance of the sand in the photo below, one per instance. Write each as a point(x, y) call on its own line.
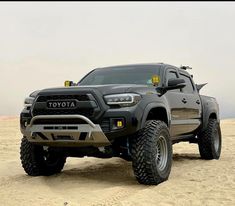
point(92, 181)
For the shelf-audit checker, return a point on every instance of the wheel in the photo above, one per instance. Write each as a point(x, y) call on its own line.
point(151, 151)
point(209, 141)
point(38, 161)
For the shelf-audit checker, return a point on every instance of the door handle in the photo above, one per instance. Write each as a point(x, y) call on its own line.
point(198, 102)
point(184, 100)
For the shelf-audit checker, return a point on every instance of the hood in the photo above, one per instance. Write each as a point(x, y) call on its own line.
point(103, 89)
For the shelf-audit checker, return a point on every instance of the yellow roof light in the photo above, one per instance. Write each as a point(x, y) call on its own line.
point(155, 80)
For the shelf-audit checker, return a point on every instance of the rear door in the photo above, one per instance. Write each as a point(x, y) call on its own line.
point(177, 107)
point(192, 103)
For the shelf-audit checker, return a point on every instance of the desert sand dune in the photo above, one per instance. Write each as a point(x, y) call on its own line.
point(92, 181)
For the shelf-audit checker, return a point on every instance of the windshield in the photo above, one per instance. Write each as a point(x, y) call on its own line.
point(121, 75)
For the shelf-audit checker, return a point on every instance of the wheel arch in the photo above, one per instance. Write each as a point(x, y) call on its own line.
point(213, 115)
point(155, 111)
point(210, 109)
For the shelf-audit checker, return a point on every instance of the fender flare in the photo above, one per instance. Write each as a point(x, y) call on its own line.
point(206, 114)
point(152, 106)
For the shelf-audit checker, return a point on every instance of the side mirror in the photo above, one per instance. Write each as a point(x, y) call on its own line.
point(175, 84)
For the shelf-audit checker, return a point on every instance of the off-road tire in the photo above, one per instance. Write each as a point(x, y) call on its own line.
point(34, 163)
point(144, 150)
point(209, 141)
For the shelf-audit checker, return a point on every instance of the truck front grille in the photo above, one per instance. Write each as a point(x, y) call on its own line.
point(85, 112)
point(82, 97)
point(40, 107)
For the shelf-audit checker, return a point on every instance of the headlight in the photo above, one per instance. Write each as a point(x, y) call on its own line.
point(124, 100)
point(28, 102)
point(34, 94)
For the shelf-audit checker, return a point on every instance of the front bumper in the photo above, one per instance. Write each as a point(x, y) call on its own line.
point(132, 117)
point(88, 134)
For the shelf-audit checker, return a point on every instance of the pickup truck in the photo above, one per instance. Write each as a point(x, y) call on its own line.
point(136, 112)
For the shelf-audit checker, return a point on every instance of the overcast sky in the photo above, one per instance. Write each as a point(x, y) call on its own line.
point(43, 44)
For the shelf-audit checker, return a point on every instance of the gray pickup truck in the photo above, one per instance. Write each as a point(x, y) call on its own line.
point(136, 112)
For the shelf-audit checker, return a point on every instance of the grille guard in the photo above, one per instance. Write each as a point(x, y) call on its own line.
point(89, 134)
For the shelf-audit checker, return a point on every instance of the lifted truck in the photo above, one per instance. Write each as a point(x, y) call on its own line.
point(135, 112)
